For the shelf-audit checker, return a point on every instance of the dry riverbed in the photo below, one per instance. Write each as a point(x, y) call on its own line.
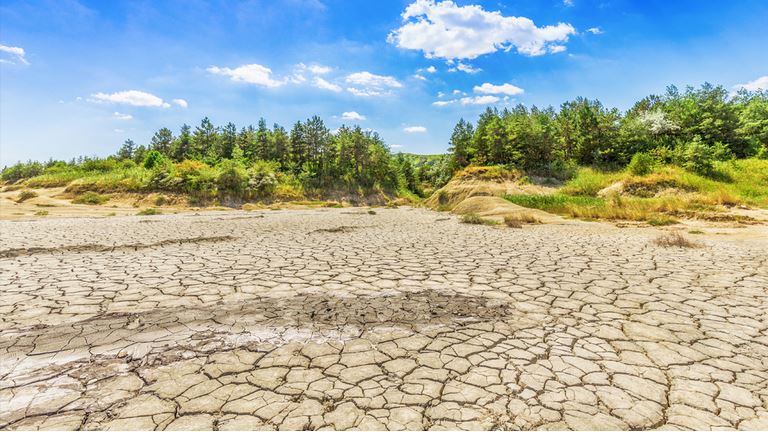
point(402, 319)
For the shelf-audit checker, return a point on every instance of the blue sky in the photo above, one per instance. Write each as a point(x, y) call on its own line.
point(78, 78)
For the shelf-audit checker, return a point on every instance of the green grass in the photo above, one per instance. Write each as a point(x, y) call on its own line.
point(149, 212)
point(556, 203)
point(91, 198)
point(477, 220)
point(25, 195)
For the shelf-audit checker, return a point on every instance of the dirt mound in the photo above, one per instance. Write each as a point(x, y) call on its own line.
point(459, 189)
point(497, 208)
point(466, 194)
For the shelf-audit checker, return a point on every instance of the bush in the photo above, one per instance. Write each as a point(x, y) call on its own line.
point(100, 165)
point(675, 239)
point(262, 178)
point(517, 221)
point(149, 212)
point(697, 157)
point(641, 164)
point(25, 195)
point(232, 177)
point(153, 159)
point(477, 220)
point(22, 170)
point(91, 198)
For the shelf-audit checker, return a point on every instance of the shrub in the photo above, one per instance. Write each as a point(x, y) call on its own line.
point(232, 177)
point(697, 157)
point(149, 212)
point(641, 164)
point(675, 239)
point(152, 159)
point(22, 170)
point(41, 213)
point(91, 198)
point(662, 220)
point(513, 222)
point(100, 165)
point(474, 219)
point(25, 195)
point(262, 178)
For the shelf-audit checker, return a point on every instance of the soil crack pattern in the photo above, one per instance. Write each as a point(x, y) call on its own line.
point(11, 253)
point(402, 319)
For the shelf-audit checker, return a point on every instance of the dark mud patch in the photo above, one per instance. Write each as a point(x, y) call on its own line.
point(85, 248)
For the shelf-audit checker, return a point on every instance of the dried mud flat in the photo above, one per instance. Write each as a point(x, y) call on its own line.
point(406, 319)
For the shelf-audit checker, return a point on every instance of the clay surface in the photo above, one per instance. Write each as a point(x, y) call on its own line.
point(404, 319)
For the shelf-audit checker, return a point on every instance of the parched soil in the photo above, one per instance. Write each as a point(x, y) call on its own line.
point(402, 319)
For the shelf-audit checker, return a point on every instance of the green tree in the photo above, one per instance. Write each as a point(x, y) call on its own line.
point(127, 150)
point(204, 140)
point(182, 145)
point(162, 141)
point(460, 145)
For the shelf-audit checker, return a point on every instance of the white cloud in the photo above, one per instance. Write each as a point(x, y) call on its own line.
point(754, 85)
point(368, 84)
point(507, 89)
point(119, 130)
point(121, 116)
point(130, 97)
point(471, 100)
point(554, 49)
point(181, 102)
point(568, 3)
point(313, 69)
point(465, 68)
point(445, 30)
point(415, 129)
point(325, 85)
point(352, 115)
point(17, 52)
point(430, 69)
point(250, 73)
point(440, 94)
point(396, 146)
point(595, 30)
point(420, 77)
point(319, 69)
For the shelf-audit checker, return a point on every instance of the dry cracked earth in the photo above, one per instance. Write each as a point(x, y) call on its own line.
point(406, 319)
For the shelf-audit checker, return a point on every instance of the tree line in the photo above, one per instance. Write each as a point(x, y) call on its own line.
point(689, 126)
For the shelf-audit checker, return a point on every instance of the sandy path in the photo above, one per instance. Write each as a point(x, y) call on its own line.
point(334, 318)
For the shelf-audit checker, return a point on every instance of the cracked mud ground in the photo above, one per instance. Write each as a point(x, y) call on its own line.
point(338, 319)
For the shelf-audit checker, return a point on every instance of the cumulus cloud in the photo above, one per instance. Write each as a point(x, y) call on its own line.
point(445, 30)
point(595, 30)
point(17, 53)
point(415, 129)
point(420, 77)
point(301, 69)
point(368, 84)
point(352, 115)
point(470, 100)
point(181, 102)
point(465, 68)
point(326, 85)
point(121, 116)
point(249, 73)
point(130, 97)
point(754, 85)
point(507, 89)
